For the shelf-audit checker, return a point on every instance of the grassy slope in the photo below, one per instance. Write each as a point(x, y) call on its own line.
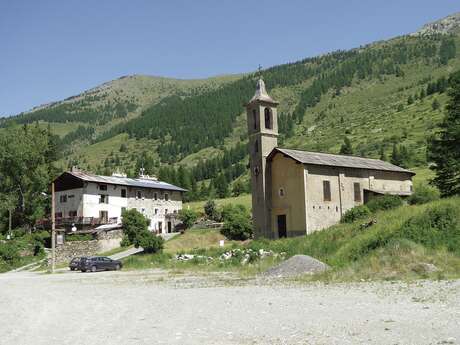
point(354, 253)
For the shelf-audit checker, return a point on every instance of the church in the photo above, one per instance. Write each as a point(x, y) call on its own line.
point(295, 192)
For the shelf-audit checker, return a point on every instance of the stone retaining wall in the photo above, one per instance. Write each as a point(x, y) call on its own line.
point(104, 241)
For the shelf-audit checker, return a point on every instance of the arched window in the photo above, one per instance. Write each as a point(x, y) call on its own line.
point(256, 146)
point(254, 118)
point(268, 118)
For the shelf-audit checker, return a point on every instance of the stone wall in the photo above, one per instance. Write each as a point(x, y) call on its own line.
point(104, 241)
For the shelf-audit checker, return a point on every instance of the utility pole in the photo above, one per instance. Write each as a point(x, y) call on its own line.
point(53, 231)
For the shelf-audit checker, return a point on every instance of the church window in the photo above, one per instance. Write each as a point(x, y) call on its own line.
point(357, 190)
point(268, 118)
point(281, 192)
point(256, 146)
point(254, 118)
point(327, 190)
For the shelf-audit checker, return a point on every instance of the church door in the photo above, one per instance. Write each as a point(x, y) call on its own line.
point(282, 231)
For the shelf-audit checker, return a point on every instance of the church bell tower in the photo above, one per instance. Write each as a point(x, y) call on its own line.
point(263, 138)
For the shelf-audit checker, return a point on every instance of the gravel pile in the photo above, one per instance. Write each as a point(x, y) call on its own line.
point(297, 265)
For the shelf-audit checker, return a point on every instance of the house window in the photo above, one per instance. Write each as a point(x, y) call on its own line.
point(256, 146)
point(143, 210)
point(102, 187)
point(156, 211)
point(70, 196)
point(160, 227)
point(357, 190)
point(166, 211)
point(139, 194)
point(327, 190)
point(58, 215)
point(63, 198)
point(103, 199)
point(166, 197)
point(254, 118)
point(72, 213)
point(155, 196)
point(268, 118)
point(123, 193)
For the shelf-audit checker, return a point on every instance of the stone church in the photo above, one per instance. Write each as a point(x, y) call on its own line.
point(298, 192)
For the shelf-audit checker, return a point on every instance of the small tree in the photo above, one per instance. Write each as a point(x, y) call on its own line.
point(346, 148)
point(410, 100)
point(210, 210)
point(188, 217)
point(134, 223)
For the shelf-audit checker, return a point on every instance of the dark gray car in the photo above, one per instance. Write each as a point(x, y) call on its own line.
point(99, 263)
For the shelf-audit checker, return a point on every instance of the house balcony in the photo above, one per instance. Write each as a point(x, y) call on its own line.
point(81, 223)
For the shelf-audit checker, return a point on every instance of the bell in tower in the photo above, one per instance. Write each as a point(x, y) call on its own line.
point(263, 138)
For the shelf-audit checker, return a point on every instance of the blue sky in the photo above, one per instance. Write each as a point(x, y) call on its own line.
point(50, 50)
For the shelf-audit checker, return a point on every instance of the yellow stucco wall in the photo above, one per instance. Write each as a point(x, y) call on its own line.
point(303, 200)
point(289, 176)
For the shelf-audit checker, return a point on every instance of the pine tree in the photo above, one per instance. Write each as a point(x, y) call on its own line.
point(346, 148)
point(396, 156)
point(435, 105)
point(443, 149)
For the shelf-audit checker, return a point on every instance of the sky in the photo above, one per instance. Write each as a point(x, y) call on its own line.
point(50, 50)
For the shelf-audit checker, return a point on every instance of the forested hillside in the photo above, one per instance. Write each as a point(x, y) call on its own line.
point(382, 100)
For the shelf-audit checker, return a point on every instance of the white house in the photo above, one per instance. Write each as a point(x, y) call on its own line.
point(85, 199)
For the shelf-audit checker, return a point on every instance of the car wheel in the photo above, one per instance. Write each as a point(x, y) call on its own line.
point(93, 269)
point(72, 269)
point(83, 271)
point(117, 267)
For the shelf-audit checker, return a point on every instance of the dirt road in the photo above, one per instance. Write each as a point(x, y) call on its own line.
point(153, 307)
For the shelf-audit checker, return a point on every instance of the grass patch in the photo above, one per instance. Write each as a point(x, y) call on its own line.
point(244, 199)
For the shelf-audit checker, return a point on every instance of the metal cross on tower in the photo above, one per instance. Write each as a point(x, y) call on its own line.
point(259, 71)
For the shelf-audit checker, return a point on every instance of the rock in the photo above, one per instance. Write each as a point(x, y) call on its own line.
point(297, 265)
point(424, 267)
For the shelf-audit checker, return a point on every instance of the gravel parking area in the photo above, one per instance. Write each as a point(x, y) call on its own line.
point(155, 307)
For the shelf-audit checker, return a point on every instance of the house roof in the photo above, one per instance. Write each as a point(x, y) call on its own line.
point(328, 159)
point(125, 181)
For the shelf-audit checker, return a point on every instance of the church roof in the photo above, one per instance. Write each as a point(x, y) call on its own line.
point(318, 158)
point(261, 93)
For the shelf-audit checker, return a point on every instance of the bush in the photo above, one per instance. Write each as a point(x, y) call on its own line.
point(9, 252)
point(79, 237)
point(356, 213)
point(188, 217)
point(237, 223)
point(384, 202)
point(150, 242)
point(438, 227)
point(423, 193)
point(125, 241)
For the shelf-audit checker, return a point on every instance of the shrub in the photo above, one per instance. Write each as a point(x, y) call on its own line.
point(384, 202)
point(9, 252)
point(79, 237)
point(188, 217)
point(210, 209)
point(125, 241)
point(134, 223)
point(438, 227)
point(237, 222)
point(150, 242)
point(228, 211)
point(423, 193)
point(356, 213)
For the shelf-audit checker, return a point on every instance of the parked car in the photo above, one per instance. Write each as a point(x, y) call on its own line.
point(73, 265)
point(99, 263)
